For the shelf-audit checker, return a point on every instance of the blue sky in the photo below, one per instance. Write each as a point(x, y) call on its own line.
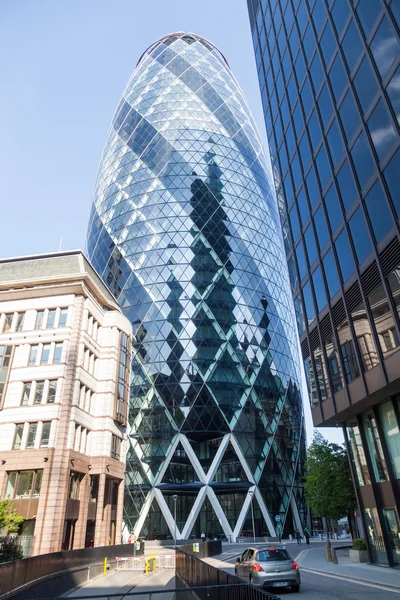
point(67, 66)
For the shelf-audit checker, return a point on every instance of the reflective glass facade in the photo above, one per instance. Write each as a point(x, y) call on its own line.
point(329, 74)
point(185, 231)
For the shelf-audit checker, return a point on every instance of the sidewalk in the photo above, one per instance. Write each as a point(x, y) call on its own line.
point(121, 582)
point(314, 560)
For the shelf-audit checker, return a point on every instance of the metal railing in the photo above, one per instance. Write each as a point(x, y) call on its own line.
point(197, 576)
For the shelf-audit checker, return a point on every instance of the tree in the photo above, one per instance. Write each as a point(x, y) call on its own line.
point(10, 520)
point(328, 485)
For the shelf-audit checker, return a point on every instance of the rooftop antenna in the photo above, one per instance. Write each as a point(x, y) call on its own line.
point(60, 245)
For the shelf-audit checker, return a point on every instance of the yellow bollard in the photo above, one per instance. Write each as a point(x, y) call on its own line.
point(105, 566)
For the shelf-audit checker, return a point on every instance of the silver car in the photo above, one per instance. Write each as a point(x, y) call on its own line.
point(269, 567)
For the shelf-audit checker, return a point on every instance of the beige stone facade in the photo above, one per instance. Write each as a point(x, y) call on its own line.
point(64, 392)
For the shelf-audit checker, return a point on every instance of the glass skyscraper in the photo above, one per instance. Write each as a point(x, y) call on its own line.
point(329, 73)
point(185, 231)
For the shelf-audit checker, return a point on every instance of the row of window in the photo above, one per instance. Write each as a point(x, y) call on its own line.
point(46, 354)
point(82, 437)
point(39, 392)
point(328, 360)
point(89, 361)
point(93, 327)
point(45, 319)
point(85, 398)
point(31, 435)
point(23, 484)
point(5, 360)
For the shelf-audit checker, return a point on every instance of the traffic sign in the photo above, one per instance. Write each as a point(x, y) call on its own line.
point(277, 518)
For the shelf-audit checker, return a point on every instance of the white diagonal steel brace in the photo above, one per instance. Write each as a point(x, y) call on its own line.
point(194, 513)
point(192, 457)
point(226, 528)
point(217, 458)
point(169, 519)
point(143, 513)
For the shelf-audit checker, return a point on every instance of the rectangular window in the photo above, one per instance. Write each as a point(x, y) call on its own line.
point(10, 489)
point(33, 355)
point(44, 442)
point(357, 454)
point(63, 317)
point(385, 46)
point(30, 443)
point(309, 303)
point(8, 322)
point(363, 161)
point(58, 353)
point(394, 284)
point(375, 448)
point(345, 255)
point(20, 321)
point(311, 382)
point(378, 211)
point(360, 235)
point(334, 366)
point(350, 363)
point(115, 447)
point(52, 391)
point(391, 432)
point(25, 394)
point(331, 274)
point(321, 374)
point(46, 354)
point(51, 319)
point(384, 321)
point(74, 484)
point(365, 337)
point(19, 431)
point(39, 319)
point(25, 484)
point(39, 392)
point(382, 130)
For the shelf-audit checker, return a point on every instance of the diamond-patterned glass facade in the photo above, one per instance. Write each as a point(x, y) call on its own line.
point(185, 231)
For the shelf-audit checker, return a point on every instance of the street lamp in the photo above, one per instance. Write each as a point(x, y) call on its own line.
point(175, 497)
point(251, 494)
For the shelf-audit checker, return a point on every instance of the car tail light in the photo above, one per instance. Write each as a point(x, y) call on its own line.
point(295, 566)
point(257, 568)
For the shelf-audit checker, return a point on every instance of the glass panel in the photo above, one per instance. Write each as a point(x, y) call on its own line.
point(391, 174)
point(24, 485)
point(312, 188)
point(340, 14)
point(321, 228)
point(301, 260)
point(347, 187)
point(8, 322)
point(393, 91)
point(335, 142)
point(357, 454)
point(39, 319)
point(317, 72)
point(333, 208)
point(298, 307)
point(328, 44)
point(45, 354)
point(391, 522)
point(338, 78)
point(20, 322)
point(381, 128)
point(375, 536)
point(350, 116)
point(321, 374)
point(378, 211)
point(52, 391)
point(360, 235)
point(294, 222)
point(294, 281)
point(306, 97)
point(296, 172)
point(310, 245)
point(58, 353)
point(19, 430)
point(323, 167)
point(300, 68)
point(45, 434)
point(10, 489)
point(394, 284)
point(314, 130)
point(392, 434)
point(51, 319)
point(352, 45)
point(362, 158)
point(309, 303)
point(350, 363)
point(31, 435)
point(385, 46)
point(319, 289)
point(365, 338)
point(311, 382)
point(384, 321)
point(39, 392)
point(334, 366)
point(25, 394)
point(38, 483)
point(365, 84)
point(375, 448)
point(325, 105)
point(331, 273)
point(319, 16)
point(309, 43)
point(305, 153)
point(367, 12)
point(33, 355)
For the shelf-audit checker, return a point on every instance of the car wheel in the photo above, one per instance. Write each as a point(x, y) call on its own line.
point(296, 588)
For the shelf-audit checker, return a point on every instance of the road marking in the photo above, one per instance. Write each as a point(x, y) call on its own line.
point(353, 580)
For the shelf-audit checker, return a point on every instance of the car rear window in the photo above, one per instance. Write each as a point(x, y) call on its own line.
point(272, 554)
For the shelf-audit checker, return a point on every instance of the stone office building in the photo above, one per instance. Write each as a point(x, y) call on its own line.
point(64, 387)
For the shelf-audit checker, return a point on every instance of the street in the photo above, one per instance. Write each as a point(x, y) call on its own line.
point(314, 586)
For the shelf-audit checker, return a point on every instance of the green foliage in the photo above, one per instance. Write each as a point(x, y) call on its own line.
point(328, 485)
point(359, 544)
point(10, 549)
point(10, 520)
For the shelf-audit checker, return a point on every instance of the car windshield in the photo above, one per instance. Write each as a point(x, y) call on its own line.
point(272, 554)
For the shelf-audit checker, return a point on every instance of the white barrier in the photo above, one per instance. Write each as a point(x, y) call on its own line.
point(163, 561)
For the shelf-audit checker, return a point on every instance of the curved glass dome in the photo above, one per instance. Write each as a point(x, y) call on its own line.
point(185, 231)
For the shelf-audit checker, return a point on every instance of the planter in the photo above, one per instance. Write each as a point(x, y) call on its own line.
point(358, 556)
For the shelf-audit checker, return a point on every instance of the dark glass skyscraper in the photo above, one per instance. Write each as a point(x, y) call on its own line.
point(329, 73)
point(185, 231)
